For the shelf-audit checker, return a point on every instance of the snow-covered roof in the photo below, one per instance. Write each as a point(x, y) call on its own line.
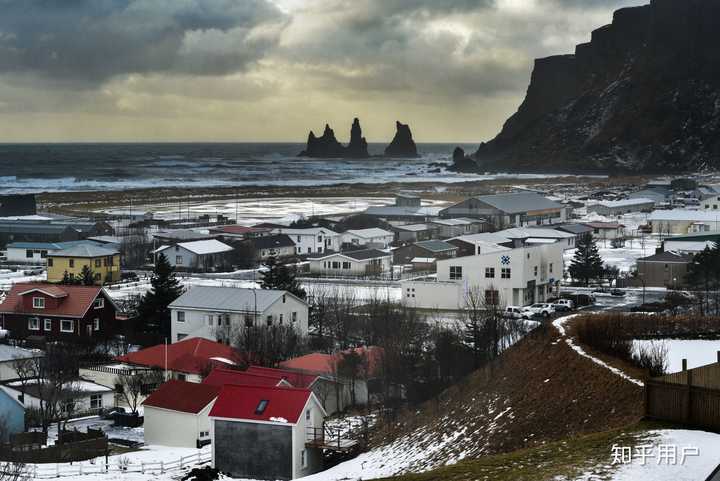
point(202, 247)
point(686, 215)
point(524, 233)
point(306, 231)
point(414, 227)
point(452, 222)
point(370, 233)
point(688, 246)
point(422, 260)
point(625, 202)
point(538, 240)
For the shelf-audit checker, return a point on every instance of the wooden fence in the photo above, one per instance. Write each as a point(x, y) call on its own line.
point(690, 397)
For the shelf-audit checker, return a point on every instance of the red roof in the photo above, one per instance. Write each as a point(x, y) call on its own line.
point(187, 397)
point(72, 301)
point(324, 364)
point(191, 355)
point(297, 379)
point(284, 404)
point(220, 377)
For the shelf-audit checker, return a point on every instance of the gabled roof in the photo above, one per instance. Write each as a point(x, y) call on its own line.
point(182, 235)
point(304, 231)
point(49, 245)
point(369, 233)
point(436, 245)
point(283, 405)
point(295, 378)
point(225, 299)
point(518, 202)
point(524, 233)
point(85, 250)
point(272, 241)
point(186, 397)
point(221, 376)
point(191, 355)
point(414, 227)
point(625, 202)
point(668, 256)
point(574, 228)
point(326, 364)
point(452, 222)
point(76, 300)
point(202, 247)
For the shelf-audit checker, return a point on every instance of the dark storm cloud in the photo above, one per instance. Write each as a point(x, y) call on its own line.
point(92, 40)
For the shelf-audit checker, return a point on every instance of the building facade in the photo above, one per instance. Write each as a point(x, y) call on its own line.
point(103, 261)
point(367, 262)
point(312, 240)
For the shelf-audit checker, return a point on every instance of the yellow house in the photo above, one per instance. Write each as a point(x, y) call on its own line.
point(103, 261)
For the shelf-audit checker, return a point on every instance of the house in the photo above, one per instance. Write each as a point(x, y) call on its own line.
point(203, 255)
point(103, 261)
point(504, 276)
point(8, 357)
point(407, 208)
point(218, 313)
point(455, 227)
point(578, 230)
point(510, 209)
point(187, 360)
point(372, 238)
point(12, 415)
point(312, 240)
point(620, 207)
point(664, 269)
point(538, 235)
point(473, 244)
point(680, 221)
point(174, 236)
point(59, 312)
point(79, 397)
point(658, 195)
point(606, 230)
point(261, 432)
point(235, 231)
point(17, 205)
point(415, 232)
point(435, 249)
point(176, 414)
point(710, 203)
point(278, 246)
point(37, 252)
point(367, 262)
point(108, 375)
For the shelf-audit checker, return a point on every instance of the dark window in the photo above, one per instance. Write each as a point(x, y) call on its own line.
point(455, 272)
point(262, 405)
point(29, 253)
point(491, 298)
point(50, 262)
point(71, 262)
point(98, 262)
point(489, 272)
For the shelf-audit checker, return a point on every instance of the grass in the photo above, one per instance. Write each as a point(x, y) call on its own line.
point(560, 460)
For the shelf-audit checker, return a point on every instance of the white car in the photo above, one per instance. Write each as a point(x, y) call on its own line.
point(516, 312)
point(562, 305)
point(540, 309)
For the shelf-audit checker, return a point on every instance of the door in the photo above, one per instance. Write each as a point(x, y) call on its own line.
point(89, 330)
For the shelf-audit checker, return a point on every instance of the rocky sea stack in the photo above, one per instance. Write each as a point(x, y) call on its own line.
point(402, 144)
point(641, 96)
point(327, 146)
point(462, 163)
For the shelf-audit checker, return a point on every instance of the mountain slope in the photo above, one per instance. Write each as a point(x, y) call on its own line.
point(642, 95)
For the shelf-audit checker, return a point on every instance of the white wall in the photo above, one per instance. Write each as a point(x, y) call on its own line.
point(20, 256)
point(377, 242)
point(312, 240)
point(356, 267)
point(300, 436)
point(173, 428)
point(174, 254)
point(82, 403)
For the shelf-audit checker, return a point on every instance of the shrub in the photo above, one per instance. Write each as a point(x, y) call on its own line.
point(654, 358)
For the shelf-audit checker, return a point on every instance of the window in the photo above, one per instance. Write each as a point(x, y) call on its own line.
point(550, 268)
point(298, 238)
point(181, 336)
point(178, 260)
point(535, 271)
point(34, 324)
point(67, 325)
point(303, 458)
point(180, 316)
point(98, 262)
point(309, 250)
point(38, 303)
point(336, 265)
point(219, 320)
point(505, 273)
point(96, 324)
point(47, 325)
point(346, 265)
point(50, 262)
point(281, 318)
point(248, 321)
point(491, 298)
point(262, 406)
point(96, 401)
point(268, 320)
point(283, 298)
point(71, 263)
point(294, 317)
point(204, 434)
point(227, 319)
point(489, 272)
point(455, 272)
point(210, 319)
point(319, 238)
point(99, 303)
point(307, 415)
point(29, 253)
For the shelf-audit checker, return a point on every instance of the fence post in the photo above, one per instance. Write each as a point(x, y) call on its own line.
point(688, 397)
point(198, 457)
point(142, 467)
point(57, 470)
point(162, 467)
point(181, 462)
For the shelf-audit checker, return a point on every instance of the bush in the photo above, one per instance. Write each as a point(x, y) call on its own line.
point(604, 334)
point(654, 358)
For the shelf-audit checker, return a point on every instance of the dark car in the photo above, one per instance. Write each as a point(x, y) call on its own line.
point(617, 293)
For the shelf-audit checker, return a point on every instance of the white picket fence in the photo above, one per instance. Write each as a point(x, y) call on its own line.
point(44, 471)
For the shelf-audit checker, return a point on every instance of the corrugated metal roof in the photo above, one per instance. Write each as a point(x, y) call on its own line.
point(222, 299)
point(685, 215)
point(202, 247)
point(85, 250)
point(369, 233)
point(436, 245)
point(518, 202)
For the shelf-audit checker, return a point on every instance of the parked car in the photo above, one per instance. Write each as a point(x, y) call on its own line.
point(540, 310)
point(560, 307)
point(567, 303)
point(580, 299)
point(515, 312)
point(617, 292)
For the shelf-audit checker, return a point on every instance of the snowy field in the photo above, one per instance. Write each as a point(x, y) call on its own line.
point(698, 352)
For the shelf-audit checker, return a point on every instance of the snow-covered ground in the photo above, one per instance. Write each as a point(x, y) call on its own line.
point(8, 278)
point(670, 455)
point(698, 352)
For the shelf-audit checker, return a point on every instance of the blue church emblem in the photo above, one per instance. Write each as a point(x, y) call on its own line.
point(505, 260)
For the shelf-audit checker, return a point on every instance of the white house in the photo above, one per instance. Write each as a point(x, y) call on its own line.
point(711, 203)
point(448, 228)
point(353, 263)
point(312, 239)
point(501, 276)
point(79, 396)
point(176, 414)
point(216, 313)
point(8, 357)
point(261, 432)
point(538, 235)
point(37, 252)
point(201, 254)
point(369, 238)
point(680, 221)
point(606, 230)
point(619, 207)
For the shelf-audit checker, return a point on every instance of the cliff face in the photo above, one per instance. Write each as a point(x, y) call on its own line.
point(642, 95)
point(327, 146)
point(402, 145)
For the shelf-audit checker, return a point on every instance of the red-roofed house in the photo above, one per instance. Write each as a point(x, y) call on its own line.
point(221, 376)
point(176, 414)
point(261, 432)
point(59, 312)
point(188, 360)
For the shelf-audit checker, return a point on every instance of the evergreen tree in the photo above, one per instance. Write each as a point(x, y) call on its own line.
point(586, 264)
point(280, 276)
point(165, 288)
point(87, 276)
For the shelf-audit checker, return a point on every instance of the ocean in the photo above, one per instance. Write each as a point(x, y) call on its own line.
point(120, 166)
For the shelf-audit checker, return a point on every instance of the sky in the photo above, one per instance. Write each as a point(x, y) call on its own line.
point(271, 70)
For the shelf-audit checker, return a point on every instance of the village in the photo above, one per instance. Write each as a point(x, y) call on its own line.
point(134, 342)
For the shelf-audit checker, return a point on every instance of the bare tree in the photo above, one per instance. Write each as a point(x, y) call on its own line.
point(134, 385)
point(10, 471)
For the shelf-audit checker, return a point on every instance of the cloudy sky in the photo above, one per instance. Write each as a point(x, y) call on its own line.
point(270, 70)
